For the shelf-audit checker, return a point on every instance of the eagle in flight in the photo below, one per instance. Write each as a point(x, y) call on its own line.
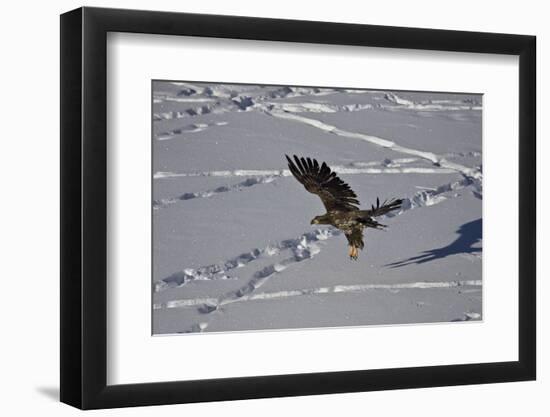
point(340, 201)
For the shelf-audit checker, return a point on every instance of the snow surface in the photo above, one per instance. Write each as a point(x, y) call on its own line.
point(233, 248)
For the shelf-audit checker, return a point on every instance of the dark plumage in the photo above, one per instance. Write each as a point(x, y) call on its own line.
point(340, 201)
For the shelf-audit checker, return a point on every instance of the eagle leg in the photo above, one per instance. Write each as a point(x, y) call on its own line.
point(353, 252)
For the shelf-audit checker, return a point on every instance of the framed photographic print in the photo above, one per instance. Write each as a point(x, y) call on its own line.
point(257, 207)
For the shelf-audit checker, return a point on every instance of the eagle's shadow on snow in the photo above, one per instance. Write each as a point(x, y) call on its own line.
point(468, 235)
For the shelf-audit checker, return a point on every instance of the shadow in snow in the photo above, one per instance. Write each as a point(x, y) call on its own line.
point(469, 235)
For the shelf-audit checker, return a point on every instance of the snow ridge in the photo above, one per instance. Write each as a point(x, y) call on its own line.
point(227, 98)
point(384, 143)
point(337, 289)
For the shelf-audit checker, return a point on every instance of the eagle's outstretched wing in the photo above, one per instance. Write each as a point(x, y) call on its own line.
point(334, 193)
point(386, 207)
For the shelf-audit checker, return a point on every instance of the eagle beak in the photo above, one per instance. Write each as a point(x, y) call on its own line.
point(314, 221)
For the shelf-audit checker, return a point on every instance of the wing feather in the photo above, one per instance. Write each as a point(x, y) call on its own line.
point(386, 207)
point(334, 193)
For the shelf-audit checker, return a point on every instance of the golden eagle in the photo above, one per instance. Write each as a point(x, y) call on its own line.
point(340, 201)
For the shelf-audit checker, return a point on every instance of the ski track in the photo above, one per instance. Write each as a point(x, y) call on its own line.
point(315, 107)
point(435, 159)
point(160, 99)
point(192, 128)
point(336, 289)
point(339, 169)
point(249, 182)
point(387, 166)
point(256, 177)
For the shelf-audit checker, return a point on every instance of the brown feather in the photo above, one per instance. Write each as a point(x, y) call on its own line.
point(320, 180)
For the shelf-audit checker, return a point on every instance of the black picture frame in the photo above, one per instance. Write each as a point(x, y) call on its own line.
point(84, 207)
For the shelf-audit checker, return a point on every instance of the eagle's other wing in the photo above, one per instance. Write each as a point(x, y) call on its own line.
point(386, 207)
point(334, 193)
